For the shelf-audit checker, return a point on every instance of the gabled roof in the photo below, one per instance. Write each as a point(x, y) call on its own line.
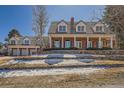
point(33, 39)
point(89, 28)
point(62, 21)
point(80, 21)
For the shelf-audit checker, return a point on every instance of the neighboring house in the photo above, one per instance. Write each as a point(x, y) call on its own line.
point(23, 46)
point(63, 34)
point(3, 51)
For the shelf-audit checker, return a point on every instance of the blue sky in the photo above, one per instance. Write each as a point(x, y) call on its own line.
point(20, 17)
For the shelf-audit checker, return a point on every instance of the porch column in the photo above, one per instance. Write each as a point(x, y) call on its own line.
point(87, 42)
point(36, 50)
point(100, 42)
point(17, 52)
point(50, 41)
point(111, 42)
point(62, 42)
point(74, 41)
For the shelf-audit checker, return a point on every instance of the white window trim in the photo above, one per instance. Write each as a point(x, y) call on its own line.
point(26, 39)
point(80, 24)
point(77, 44)
point(62, 24)
point(12, 40)
point(99, 24)
point(80, 31)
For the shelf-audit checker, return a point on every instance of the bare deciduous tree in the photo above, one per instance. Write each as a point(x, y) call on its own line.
point(40, 21)
point(114, 17)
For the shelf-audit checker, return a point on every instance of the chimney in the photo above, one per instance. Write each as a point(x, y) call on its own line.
point(72, 24)
point(72, 21)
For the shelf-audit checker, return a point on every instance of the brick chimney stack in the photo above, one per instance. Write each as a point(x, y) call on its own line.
point(72, 24)
point(72, 20)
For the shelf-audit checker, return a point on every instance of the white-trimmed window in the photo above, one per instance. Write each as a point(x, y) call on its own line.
point(80, 29)
point(26, 41)
point(99, 28)
point(13, 42)
point(79, 44)
point(62, 28)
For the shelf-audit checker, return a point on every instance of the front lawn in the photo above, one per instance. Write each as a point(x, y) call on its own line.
point(5, 59)
point(62, 63)
point(112, 77)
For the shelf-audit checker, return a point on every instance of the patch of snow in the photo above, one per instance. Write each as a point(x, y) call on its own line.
point(53, 61)
point(26, 62)
point(69, 56)
point(62, 55)
point(86, 60)
point(57, 71)
point(42, 55)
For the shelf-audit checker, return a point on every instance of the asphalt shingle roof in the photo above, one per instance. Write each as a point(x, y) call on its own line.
point(89, 28)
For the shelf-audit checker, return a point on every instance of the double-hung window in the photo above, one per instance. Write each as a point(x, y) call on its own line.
point(13, 42)
point(80, 28)
point(62, 28)
point(98, 28)
point(26, 42)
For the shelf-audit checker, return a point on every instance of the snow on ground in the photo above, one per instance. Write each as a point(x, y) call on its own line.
point(61, 55)
point(57, 71)
point(25, 61)
point(52, 61)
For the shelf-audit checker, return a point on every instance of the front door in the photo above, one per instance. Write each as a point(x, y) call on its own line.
point(79, 44)
point(67, 44)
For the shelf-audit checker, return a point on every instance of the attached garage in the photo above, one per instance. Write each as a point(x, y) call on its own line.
point(22, 50)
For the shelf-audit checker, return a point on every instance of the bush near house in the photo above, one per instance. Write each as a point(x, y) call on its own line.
point(73, 48)
point(99, 49)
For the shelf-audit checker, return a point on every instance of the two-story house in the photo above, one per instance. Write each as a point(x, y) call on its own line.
point(83, 35)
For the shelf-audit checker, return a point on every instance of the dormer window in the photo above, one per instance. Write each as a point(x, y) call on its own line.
point(62, 28)
point(26, 41)
point(99, 28)
point(80, 28)
point(13, 42)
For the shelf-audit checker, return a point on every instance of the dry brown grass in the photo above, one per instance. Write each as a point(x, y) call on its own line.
point(5, 59)
point(106, 78)
point(108, 62)
point(23, 65)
